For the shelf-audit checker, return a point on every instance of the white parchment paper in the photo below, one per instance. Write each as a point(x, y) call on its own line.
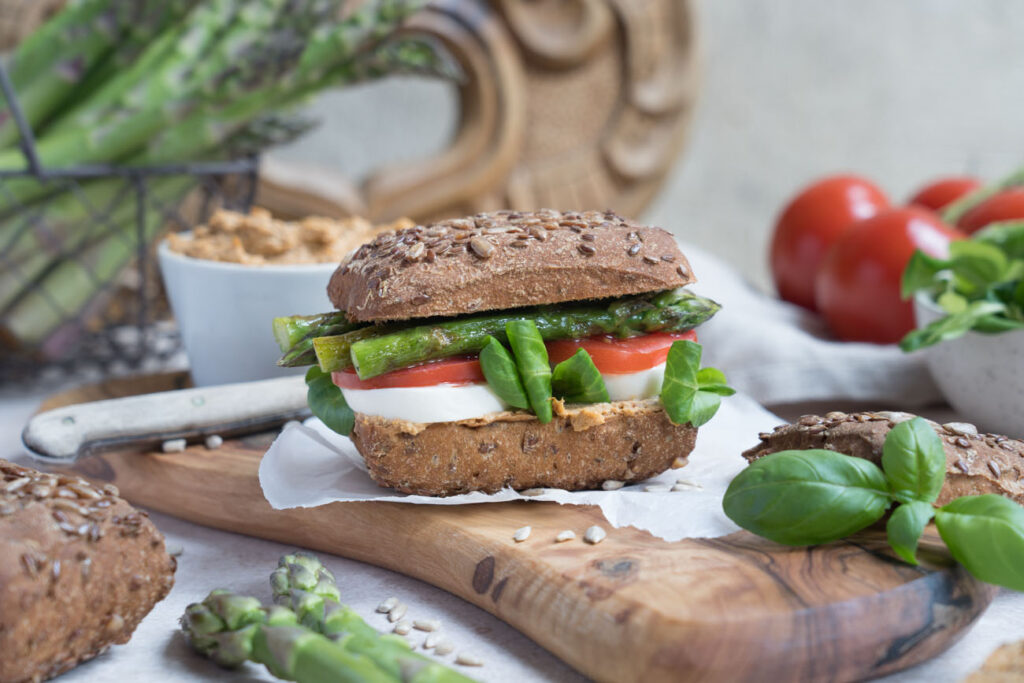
point(309, 465)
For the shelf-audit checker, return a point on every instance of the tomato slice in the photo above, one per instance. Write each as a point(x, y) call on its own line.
point(614, 356)
point(458, 370)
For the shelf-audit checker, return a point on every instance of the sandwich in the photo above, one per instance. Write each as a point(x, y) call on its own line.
point(522, 349)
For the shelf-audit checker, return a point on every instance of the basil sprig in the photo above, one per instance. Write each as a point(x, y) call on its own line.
point(817, 496)
point(690, 393)
point(980, 286)
point(577, 380)
point(327, 402)
point(531, 358)
point(501, 374)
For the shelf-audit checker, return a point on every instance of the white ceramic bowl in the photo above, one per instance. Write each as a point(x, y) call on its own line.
point(225, 311)
point(981, 375)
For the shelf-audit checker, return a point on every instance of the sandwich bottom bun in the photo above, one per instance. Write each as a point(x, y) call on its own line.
point(582, 447)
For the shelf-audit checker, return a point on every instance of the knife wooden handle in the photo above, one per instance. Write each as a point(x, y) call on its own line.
point(64, 434)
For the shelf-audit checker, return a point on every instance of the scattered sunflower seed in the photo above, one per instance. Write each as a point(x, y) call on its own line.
point(444, 647)
point(397, 612)
point(687, 484)
point(387, 605)
point(214, 441)
point(594, 535)
point(426, 624)
point(521, 534)
point(173, 446)
point(466, 659)
point(175, 550)
point(680, 462)
point(564, 536)
point(432, 640)
point(656, 488)
point(612, 485)
point(403, 627)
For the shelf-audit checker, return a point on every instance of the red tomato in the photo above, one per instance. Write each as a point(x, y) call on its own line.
point(940, 193)
point(858, 286)
point(1004, 206)
point(460, 370)
point(614, 356)
point(810, 224)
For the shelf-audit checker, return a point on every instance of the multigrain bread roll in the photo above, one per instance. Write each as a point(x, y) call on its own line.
point(505, 260)
point(581, 448)
point(79, 569)
point(975, 463)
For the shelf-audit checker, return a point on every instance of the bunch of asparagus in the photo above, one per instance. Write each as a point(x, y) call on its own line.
point(151, 82)
point(308, 636)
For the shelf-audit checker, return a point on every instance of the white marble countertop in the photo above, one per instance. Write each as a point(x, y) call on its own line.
point(212, 558)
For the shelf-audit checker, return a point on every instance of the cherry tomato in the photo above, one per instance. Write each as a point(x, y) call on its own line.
point(1004, 206)
point(614, 356)
point(460, 370)
point(858, 286)
point(940, 193)
point(810, 224)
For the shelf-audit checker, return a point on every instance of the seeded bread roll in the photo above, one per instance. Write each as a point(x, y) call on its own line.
point(79, 569)
point(503, 260)
point(975, 463)
point(582, 447)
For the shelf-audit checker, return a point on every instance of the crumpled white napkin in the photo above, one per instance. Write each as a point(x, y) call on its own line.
point(309, 465)
point(780, 353)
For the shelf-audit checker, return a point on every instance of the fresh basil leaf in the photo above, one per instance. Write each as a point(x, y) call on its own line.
point(327, 402)
point(920, 273)
point(906, 526)
point(914, 461)
point(976, 265)
point(951, 302)
point(532, 362)
point(995, 324)
point(807, 497)
point(501, 374)
point(986, 535)
point(683, 396)
point(577, 380)
point(950, 327)
point(1007, 235)
point(705, 405)
point(712, 380)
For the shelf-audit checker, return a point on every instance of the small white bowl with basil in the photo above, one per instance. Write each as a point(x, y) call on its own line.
point(970, 323)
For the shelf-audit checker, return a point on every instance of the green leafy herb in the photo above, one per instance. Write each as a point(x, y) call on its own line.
point(327, 402)
point(980, 286)
point(807, 497)
point(577, 380)
point(532, 362)
point(986, 535)
point(688, 392)
point(914, 461)
point(906, 526)
point(501, 374)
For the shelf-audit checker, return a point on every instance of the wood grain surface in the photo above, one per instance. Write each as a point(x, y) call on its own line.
point(629, 609)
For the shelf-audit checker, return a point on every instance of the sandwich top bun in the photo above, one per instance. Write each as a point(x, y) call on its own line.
point(506, 259)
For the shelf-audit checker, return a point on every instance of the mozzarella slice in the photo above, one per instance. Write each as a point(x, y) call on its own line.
point(635, 385)
point(437, 403)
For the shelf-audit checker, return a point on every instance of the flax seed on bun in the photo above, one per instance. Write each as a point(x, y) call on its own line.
point(502, 260)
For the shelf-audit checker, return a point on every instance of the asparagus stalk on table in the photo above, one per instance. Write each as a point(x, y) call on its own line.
point(232, 629)
point(302, 583)
point(374, 350)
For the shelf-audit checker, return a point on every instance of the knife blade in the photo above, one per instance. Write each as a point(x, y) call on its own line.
point(62, 435)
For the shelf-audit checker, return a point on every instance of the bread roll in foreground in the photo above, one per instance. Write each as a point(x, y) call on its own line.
point(79, 569)
point(975, 463)
point(581, 448)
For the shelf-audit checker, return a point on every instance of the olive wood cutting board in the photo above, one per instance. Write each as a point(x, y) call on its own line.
point(629, 609)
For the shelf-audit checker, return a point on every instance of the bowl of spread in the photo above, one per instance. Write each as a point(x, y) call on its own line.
point(226, 281)
point(981, 375)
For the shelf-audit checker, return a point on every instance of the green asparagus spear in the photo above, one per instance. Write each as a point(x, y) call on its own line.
point(302, 583)
point(231, 629)
point(295, 335)
point(374, 351)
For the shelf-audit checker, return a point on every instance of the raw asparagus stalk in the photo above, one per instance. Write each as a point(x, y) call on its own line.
point(295, 335)
point(231, 629)
point(373, 351)
point(302, 583)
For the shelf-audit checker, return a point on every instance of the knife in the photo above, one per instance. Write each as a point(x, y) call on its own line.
point(62, 435)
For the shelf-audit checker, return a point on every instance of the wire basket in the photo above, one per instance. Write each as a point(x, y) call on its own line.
point(78, 283)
